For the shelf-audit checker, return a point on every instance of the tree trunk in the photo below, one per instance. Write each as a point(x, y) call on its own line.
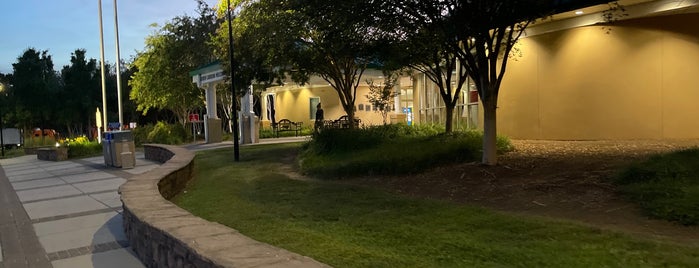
point(489, 133)
point(350, 117)
point(230, 124)
point(449, 125)
point(70, 130)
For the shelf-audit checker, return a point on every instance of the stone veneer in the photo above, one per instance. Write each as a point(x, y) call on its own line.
point(165, 235)
point(52, 154)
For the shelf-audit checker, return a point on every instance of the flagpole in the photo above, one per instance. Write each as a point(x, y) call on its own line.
point(104, 86)
point(118, 67)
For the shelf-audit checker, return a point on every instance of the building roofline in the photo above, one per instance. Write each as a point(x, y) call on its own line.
point(208, 68)
point(593, 15)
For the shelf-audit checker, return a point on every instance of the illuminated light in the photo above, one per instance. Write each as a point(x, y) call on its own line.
point(58, 144)
point(579, 12)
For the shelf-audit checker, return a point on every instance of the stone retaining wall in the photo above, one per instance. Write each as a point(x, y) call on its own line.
point(165, 235)
point(52, 154)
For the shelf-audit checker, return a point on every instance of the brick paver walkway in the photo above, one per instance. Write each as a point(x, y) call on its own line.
point(63, 214)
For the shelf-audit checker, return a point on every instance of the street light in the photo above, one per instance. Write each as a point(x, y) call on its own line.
point(236, 147)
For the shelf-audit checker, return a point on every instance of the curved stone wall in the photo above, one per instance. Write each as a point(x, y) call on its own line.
point(165, 235)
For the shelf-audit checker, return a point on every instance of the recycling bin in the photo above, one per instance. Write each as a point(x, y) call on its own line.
point(119, 149)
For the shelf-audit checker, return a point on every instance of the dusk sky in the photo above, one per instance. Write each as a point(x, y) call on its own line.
point(63, 26)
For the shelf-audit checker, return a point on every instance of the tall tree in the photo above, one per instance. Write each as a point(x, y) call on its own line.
point(330, 39)
point(250, 67)
point(381, 95)
point(161, 79)
point(80, 93)
point(493, 29)
point(479, 35)
point(35, 86)
point(422, 39)
point(6, 96)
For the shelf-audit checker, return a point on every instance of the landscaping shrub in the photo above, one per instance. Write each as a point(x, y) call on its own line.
point(180, 132)
point(12, 152)
point(167, 134)
point(84, 150)
point(82, 147)
point(666, 186)
point(339, 140)
point(266, 133)
point(140, 134)
point(390, 149)
point(36, 142)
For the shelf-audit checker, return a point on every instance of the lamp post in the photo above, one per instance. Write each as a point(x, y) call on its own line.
point(236, 146)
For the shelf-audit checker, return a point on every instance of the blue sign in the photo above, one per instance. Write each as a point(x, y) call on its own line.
point(113, 125)
point(408, 111)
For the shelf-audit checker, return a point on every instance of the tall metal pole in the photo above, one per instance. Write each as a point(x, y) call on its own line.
point(104, 86)
point(118, 67)
point(236, 146)
point(2, 128)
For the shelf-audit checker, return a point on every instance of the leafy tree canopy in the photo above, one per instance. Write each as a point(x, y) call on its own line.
point(80, 94)
point(35, 86)
point(299, 38)
point(161, 79)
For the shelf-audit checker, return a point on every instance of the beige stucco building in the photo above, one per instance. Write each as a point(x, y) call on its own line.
point(575, 78)
point(640, 80)
point(298, 102)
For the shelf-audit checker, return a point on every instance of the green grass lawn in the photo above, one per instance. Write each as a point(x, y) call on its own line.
point(350, 226)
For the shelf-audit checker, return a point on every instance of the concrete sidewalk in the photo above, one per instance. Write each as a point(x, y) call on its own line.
point(64, 214)
point(68, 213)
point(199, 146)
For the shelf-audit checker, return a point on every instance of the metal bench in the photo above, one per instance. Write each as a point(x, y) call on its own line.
point(344, 122)
point(286, 125)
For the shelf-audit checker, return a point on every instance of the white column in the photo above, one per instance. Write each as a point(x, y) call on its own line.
point(211, 101)
point(247, 102)
point(249, 129)
point(396, 99)
point(263, 104)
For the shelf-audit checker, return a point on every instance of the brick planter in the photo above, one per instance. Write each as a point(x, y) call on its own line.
point(32, 150)
point(165, 235)
point(52, 154)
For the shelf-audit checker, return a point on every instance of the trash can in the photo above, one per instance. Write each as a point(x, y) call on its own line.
point(119, 149)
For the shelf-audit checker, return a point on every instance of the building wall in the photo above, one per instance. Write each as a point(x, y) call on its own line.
point(293, 103)
point(639, 81)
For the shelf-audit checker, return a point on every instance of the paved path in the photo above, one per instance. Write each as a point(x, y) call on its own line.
point(64, 214)
point(199, 146)
point(68, 213)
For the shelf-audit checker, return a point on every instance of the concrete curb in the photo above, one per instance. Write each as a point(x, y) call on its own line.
point(165, 235)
